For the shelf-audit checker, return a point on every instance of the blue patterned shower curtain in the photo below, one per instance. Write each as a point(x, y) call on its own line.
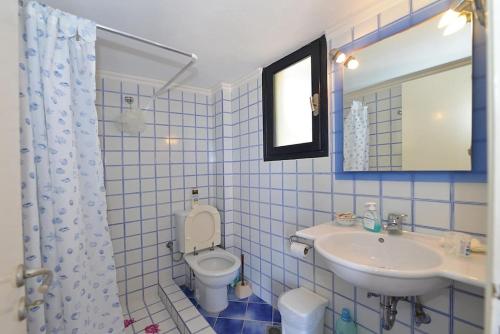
point(64, 207)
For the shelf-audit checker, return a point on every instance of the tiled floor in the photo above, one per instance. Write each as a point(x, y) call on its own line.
point(148, 311)
point(243, 316)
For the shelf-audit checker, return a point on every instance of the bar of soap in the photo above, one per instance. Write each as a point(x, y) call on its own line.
point(477, 246)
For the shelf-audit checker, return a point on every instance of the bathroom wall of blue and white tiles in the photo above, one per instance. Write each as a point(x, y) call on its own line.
point(150, 176)
point(212, 140)
point(271, 200)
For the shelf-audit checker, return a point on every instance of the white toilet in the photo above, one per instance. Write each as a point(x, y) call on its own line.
point(198, 232)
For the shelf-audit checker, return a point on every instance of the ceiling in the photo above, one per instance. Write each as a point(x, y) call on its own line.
point(231, 37)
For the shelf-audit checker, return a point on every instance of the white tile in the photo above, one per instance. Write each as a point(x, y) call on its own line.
point(438, 300)
point(322, 182)
point(396, 189)
point(342, 287)
point(464, 328)
point(433, 214)
point(432, 190)
point(366, 317)
point(471, 192)
point(367, 187)
point(471, 218)
point(324, 278)
point(469, 308)
point(365, 27)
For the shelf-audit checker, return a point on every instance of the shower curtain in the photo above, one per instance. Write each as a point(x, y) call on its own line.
point(356, 138)
point(63, 196)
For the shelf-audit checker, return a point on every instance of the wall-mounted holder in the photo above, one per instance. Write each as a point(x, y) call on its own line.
point(294, 239)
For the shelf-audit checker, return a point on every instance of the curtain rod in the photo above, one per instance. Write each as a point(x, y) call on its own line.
point(162, 89)
point(146, 41)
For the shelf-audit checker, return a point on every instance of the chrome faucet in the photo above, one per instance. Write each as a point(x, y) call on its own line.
point(195, 252)
point(394, 223)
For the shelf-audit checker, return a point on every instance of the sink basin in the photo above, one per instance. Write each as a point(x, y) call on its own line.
point(393, 265)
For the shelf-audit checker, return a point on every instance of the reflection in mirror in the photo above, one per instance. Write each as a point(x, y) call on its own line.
point(408, 107)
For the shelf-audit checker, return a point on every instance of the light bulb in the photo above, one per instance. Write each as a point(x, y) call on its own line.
point(339, 57)
point(454, 26)
point(351, 63)
point(448, 17)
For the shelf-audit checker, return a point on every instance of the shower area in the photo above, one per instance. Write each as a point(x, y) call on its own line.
point(105, 162)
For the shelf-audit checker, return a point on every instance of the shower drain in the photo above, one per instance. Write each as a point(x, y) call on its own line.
point(273, 330)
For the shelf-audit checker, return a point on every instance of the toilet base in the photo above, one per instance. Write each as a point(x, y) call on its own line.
point(212, 300)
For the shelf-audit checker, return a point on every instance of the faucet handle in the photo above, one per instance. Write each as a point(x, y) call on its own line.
point(394, 222)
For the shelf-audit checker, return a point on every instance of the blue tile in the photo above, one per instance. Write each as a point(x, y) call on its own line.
point(255, 327)
point(188, 292)
point(228, 326)
point(193, 301)
point(211, 321)
point(276, 316)
point(261, 312)
point(234, 310)
point(255, 299)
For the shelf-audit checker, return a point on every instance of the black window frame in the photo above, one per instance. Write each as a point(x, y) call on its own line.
point(317, 50)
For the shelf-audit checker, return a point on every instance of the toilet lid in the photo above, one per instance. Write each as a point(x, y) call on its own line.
point(202, 228)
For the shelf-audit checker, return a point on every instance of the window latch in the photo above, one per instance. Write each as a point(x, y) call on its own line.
point(314, 101)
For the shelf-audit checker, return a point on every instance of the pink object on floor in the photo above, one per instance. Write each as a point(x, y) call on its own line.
point(128, 322)
point(152, 329)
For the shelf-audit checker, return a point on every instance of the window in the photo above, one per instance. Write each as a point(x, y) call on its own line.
point(295, 104)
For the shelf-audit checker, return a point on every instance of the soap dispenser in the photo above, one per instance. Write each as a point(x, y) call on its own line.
point(371, 220)
point(344, 324)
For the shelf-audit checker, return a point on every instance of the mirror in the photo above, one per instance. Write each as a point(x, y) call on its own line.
point(408, 106)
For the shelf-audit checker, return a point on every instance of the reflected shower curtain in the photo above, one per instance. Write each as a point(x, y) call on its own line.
point(356, 138)
point(64, 208)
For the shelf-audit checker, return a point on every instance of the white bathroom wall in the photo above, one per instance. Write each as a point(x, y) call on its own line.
point(150, 176)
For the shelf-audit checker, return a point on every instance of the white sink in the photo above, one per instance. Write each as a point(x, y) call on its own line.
point(410, 264)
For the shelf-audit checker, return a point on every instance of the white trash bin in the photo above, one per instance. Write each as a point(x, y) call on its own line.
point(302, 312)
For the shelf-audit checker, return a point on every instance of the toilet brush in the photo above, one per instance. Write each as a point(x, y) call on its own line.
point(243, 289)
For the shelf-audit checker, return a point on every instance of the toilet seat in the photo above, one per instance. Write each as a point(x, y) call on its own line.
point(214, 263)
point(201, 228)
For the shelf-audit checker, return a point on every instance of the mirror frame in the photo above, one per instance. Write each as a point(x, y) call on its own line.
point(478, 173)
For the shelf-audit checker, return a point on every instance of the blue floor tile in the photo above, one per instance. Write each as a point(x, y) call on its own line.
point(193, 301)
point(235, 310)
point(228, 326)
point(261, 312)
point(189, 293)
point(276, 315)
point(211, 321)
point(255, 327)
point(255, 299)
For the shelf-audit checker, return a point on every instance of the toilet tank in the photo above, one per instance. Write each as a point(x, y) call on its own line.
point(199, 228)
